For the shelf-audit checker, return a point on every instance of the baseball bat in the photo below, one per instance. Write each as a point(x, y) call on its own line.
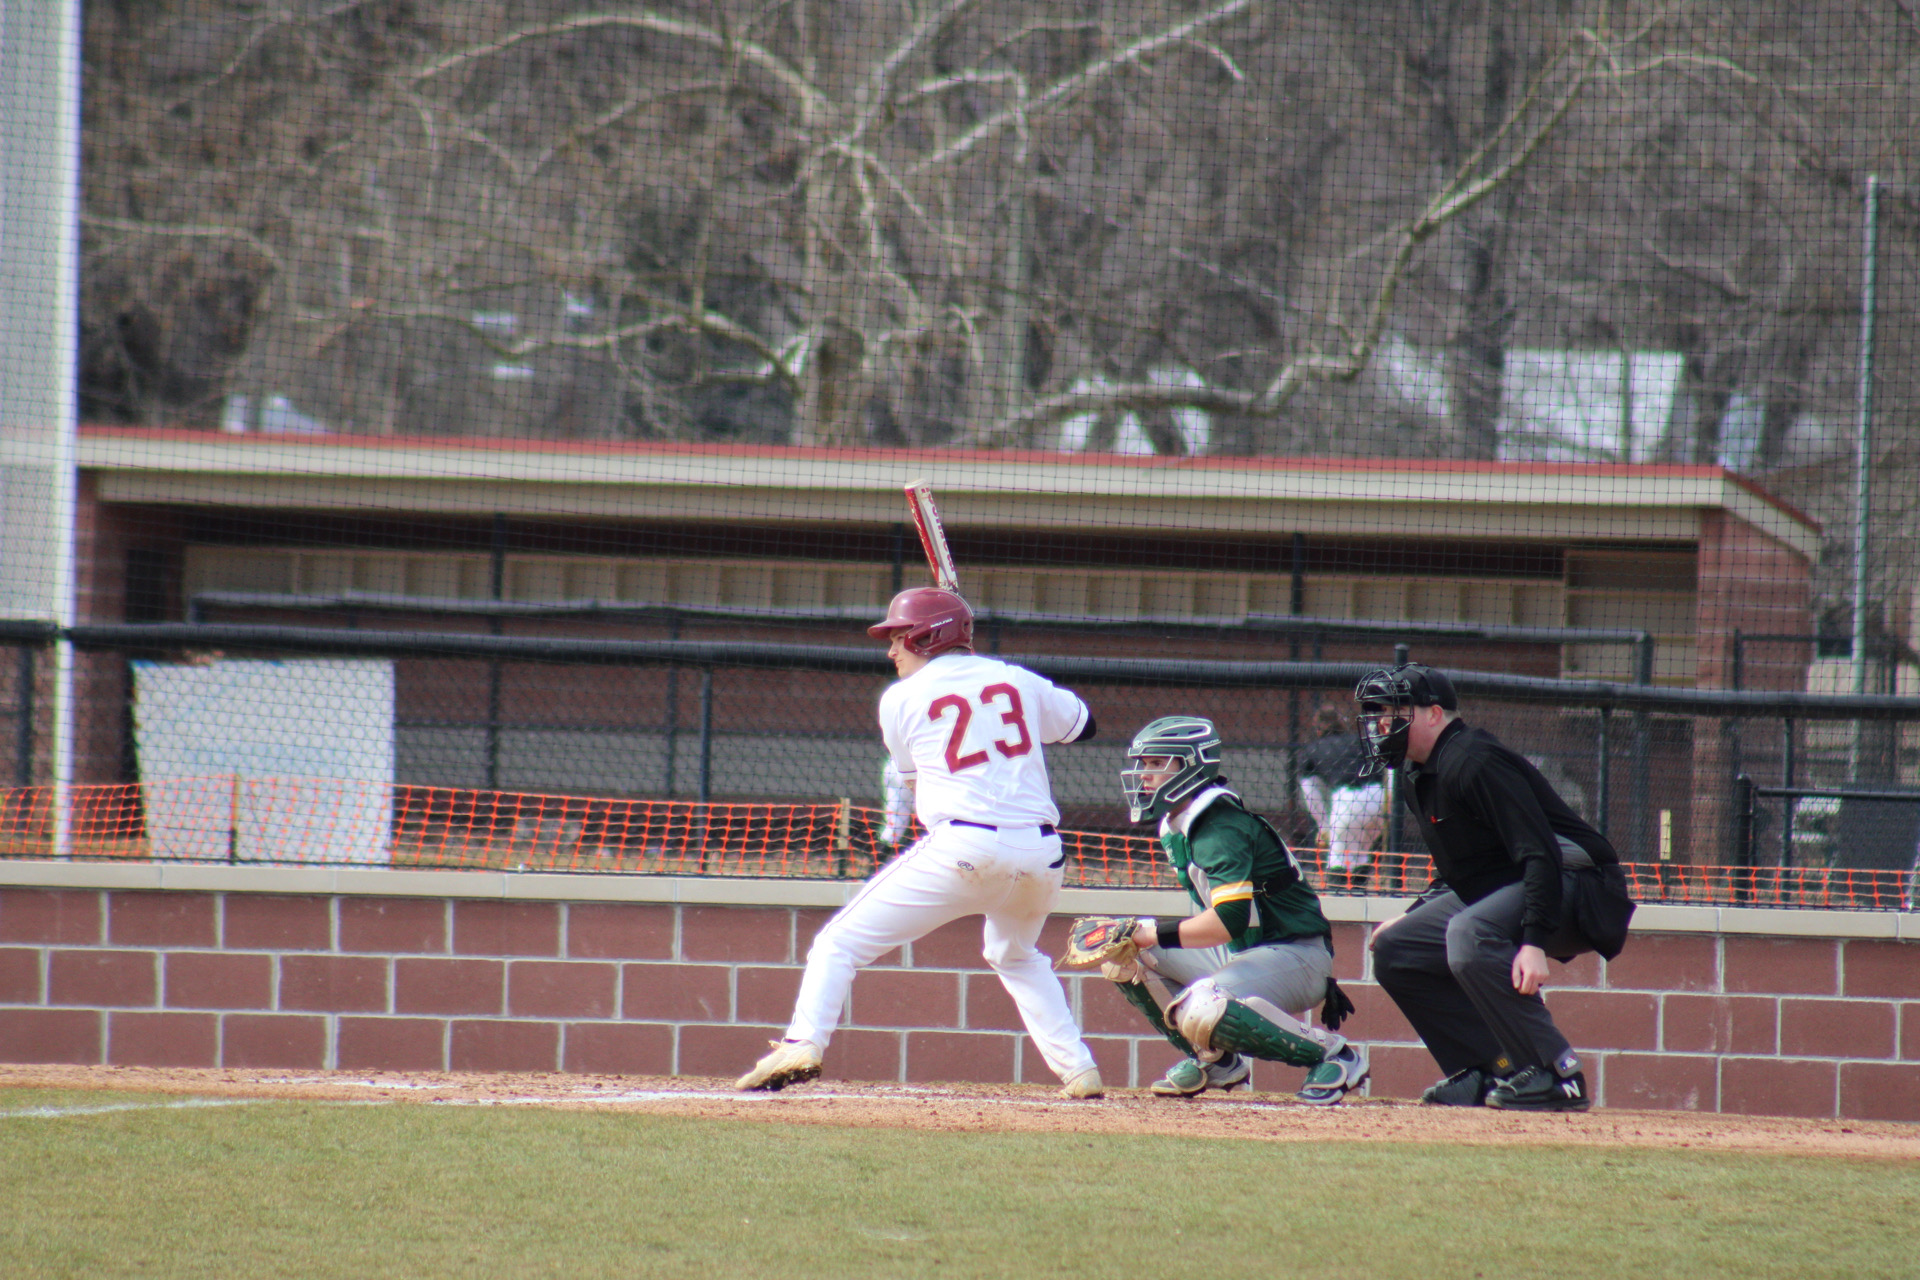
point(933, 536)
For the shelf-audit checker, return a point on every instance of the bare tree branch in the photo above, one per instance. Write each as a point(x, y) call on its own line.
point(710, 322)
point(187, 231)
point(1461, 192)
point(1064, 91)
point(812, 103)
point(878, 90)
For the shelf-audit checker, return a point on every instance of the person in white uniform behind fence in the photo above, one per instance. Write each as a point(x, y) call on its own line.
point(1348, 806)
point(968, 733)
point(897, 807)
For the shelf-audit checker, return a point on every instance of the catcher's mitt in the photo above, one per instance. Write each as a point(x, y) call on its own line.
point(1100, 940)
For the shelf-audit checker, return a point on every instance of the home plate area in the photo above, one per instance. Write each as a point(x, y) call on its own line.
point(1003, 1108)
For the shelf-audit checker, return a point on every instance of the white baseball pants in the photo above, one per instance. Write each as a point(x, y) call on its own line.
point(1011, 876)
point(1356, 817)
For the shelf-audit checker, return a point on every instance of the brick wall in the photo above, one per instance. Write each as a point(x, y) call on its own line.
point(1682, 1021)
point(1748, 582)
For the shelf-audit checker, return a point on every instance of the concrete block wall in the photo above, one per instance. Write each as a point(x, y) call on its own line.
point(1689, 1018)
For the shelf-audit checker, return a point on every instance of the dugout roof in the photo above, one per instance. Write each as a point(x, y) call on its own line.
point(1548, 502)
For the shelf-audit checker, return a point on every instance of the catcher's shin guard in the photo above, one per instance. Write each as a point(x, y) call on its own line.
point(1216, 1023)
point(1245, 1031)
point(1142, 999)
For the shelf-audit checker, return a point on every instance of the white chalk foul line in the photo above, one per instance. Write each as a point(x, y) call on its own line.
point(720, 1095)
point(104, 1108)
point(100, 1109)
point(873, 1094)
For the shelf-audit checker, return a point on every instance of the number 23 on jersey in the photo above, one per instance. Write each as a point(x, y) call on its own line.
point(1003, 698)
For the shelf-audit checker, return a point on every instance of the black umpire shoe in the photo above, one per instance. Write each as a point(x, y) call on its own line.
point(1467, 1088)
point(1541, 1089)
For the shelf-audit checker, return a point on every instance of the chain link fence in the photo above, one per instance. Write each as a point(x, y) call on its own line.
point(697, 756)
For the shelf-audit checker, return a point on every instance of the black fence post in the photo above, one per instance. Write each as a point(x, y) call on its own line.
point(1603, 771)
point(706, 760)
point(1642, 754)
point(497, 582)
point(23, 740)
point(1396, 829)
point(1296, 605)
point(1788, 803)
point(673, 709)
point(1743, 836)
point(706, 734)
point(1293, 739)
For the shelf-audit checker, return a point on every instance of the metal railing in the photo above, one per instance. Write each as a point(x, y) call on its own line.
point(1808, 852)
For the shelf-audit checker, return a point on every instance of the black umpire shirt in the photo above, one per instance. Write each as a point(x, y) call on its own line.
point(1490, 820)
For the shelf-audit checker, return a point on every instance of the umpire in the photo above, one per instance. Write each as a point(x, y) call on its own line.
point(1518, 877)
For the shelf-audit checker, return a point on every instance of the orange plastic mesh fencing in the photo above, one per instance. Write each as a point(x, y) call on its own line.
point(297, 822)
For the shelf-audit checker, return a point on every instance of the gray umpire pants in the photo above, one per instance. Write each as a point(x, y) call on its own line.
point(1291, 976)
point(1449, 967)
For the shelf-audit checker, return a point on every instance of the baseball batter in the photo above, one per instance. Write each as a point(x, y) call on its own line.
point(1239, 974)
point(969, 734)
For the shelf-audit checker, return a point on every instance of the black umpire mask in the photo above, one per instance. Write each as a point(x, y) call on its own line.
point(1385, 748)
point(1387, 699)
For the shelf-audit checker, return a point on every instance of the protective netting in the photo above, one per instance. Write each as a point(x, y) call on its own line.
point(1565, 343)
point(632, 764)
point(238, 821)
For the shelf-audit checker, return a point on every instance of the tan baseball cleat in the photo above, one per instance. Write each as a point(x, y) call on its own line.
point(1084, 1084)
point(791, 1062)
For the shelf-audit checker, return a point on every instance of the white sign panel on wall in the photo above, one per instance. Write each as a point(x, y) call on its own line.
point(260, 761)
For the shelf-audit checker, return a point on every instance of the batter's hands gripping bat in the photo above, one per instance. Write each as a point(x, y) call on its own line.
point(933, 537)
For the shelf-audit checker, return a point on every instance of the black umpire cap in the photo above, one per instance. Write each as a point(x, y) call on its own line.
point(1410, 685)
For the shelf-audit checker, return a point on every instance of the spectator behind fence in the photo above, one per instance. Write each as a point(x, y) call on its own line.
point(1348, 803)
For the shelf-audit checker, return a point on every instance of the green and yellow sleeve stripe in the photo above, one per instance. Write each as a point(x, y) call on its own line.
point(1240, 891)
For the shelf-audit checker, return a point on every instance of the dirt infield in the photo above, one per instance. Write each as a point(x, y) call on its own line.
point(1013, 1108)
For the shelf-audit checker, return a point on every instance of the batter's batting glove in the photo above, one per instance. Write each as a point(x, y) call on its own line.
point(1100, 940)
point(1337, 1007)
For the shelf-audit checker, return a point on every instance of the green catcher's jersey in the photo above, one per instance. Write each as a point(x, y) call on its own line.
point(1235, 862)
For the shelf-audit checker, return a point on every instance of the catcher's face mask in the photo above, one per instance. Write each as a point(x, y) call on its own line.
point(1168, 761)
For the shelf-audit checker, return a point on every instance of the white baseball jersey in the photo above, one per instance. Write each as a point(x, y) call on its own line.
point(968, 731)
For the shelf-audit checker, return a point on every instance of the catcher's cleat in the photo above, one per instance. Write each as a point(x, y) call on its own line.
point(1541, 1089)
point(1343, 1071)
point(1189, 1079)
point(791, 1062)
point(1468, 1088)
point(1084, 1084)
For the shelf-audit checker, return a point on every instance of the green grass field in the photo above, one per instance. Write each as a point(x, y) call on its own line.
point(211, 1187)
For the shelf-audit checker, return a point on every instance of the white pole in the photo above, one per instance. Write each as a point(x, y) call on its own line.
point(39, 327)
point(66, 308)
point(1863, 445)
point(1863, 458)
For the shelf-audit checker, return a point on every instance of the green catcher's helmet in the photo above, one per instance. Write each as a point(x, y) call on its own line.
point(1191, 741)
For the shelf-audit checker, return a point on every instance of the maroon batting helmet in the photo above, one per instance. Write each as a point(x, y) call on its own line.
point(934, 621)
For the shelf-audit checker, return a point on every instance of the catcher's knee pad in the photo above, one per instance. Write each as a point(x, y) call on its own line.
point(1142, 999)
point(1195, 1013)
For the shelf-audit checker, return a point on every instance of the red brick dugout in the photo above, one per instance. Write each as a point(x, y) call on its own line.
point(1763, 1012)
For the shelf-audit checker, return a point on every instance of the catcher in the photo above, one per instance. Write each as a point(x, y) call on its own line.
point(1238, 976)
